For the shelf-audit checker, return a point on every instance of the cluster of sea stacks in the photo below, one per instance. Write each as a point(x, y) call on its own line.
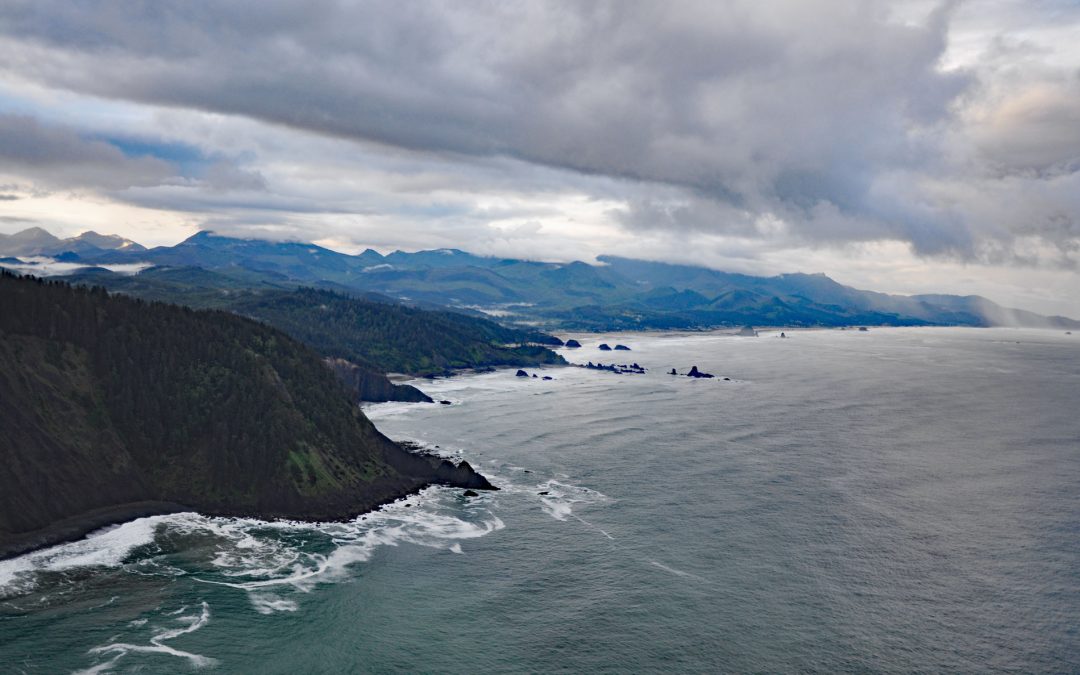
point(522, 373)
point(622, 368)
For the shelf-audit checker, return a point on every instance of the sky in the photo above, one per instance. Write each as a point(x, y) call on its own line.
point(905, 147)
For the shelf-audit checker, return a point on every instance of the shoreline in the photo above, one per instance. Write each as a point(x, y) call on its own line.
point(79, 527)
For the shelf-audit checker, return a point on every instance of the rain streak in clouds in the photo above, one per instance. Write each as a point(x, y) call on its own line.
point(890, 145)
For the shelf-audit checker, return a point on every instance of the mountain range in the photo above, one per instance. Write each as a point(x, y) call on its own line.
point(36, 241)
point(613, 294)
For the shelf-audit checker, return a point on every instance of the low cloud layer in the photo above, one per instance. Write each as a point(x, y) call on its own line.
point(950, 129)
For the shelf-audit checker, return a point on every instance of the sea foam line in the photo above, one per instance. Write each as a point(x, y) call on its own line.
point(156, 646)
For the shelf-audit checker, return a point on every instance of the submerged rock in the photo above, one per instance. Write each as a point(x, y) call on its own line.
point(470, 493)
point(621, 348)
point(444, 403)
point(548, 377)
point(748, 331)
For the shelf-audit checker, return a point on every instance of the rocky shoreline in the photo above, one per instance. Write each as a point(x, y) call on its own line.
point(419, 470)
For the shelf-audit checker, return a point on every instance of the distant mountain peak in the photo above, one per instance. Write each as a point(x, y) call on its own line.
point(34, 233)
point(108, 242)
point(38, 241)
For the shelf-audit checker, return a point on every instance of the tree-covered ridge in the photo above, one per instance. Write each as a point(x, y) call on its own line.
point(110, 399)
point(382, 335)
point(393, 337)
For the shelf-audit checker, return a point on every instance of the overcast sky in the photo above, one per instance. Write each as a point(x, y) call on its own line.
point(903, 147)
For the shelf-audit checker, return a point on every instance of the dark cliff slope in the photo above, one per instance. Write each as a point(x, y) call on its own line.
point(366, 384)
point(112, 407)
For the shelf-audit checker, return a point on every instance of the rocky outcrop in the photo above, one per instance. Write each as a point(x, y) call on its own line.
point(604, 347)
point(572, 344)
point(694, 372)
point(365, 384)
point(521, 373)
point(620, 368)
point(621, 348)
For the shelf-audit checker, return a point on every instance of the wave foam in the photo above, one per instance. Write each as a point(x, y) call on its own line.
point(103, 548)
point(189, 624)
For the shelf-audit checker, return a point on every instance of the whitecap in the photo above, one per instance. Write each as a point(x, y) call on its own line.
point(268, 603)
point(561, 498)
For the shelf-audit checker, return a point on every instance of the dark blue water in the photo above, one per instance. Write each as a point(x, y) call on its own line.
point(898, 500)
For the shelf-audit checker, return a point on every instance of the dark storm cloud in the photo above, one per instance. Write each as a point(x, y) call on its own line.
point(60, 157)
point(57, 156)
point(832, 116)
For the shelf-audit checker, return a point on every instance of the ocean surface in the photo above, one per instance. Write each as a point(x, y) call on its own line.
point(895, 500)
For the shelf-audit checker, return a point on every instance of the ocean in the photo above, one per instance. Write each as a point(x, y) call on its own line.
point(894, 500)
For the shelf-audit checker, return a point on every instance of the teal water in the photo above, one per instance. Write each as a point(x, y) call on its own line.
point(898, 500)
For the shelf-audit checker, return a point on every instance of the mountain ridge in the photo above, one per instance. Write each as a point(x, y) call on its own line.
point(617, 293)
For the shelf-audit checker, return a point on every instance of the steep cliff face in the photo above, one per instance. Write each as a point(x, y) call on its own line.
point(366, 384)
point(112, 407)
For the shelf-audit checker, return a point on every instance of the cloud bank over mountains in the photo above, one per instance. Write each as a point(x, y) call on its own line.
point(939, 139)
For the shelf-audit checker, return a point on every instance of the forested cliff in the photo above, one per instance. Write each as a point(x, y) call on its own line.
point(109, 401)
